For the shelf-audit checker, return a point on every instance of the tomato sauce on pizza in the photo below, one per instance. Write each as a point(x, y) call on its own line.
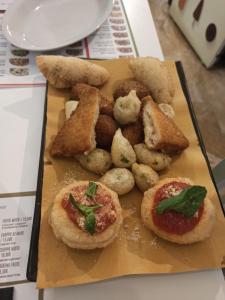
point(171, 221)
point(104, 215)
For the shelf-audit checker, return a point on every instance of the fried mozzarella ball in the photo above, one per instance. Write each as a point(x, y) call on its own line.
point(145, 177)
point(123, 154)
point(70, 107)
point(126, 109)
point(167, 109)
point(97, 161)
point(120, 180)
point(156, 160)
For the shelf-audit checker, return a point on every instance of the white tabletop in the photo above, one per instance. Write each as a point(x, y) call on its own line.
point(21, 113)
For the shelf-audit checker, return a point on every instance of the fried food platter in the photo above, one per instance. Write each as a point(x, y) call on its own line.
point(136, 250)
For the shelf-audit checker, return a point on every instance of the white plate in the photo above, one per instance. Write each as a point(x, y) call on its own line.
point(42, 25)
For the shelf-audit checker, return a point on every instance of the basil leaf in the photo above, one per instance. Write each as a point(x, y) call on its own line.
point(91, 190)
point(90, 223)
point(73, 202)
point(84, 209)
point(170, 202)
point(87, 211)
point(187, 202)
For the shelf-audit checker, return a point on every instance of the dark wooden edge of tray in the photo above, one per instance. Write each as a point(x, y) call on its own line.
point(183, 82)
point(33, 253)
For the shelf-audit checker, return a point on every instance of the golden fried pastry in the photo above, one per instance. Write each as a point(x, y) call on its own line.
point(77, 136)
point(105, 130)
point(170, 224)
point(134, 133)
point(126, 86)
point(161, 133)
point(106, 104)
point(153, 73)
point(64, 72)
point(86, 215)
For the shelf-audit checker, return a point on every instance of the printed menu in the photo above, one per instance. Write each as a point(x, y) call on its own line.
point(112, 40)
point(16, 217)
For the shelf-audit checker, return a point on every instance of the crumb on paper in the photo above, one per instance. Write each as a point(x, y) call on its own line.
point(134, 235)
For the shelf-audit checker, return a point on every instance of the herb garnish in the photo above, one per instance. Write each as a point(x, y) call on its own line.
point(91, 189)
point(87, 211)
point(124, 159)
point(187, 202)
point(90, 223)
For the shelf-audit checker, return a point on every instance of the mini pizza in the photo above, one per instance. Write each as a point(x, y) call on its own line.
point(178, 211)
point(86, 215)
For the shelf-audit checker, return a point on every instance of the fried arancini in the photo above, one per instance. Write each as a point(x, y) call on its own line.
point(134, 133)
point(126, 86)
point(105, 130)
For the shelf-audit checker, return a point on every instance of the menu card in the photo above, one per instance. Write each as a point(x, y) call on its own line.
point(16, 217)
point(112, 40)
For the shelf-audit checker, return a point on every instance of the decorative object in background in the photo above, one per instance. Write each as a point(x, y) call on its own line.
point(203, 24)
point(198, 10)
point(182, 4)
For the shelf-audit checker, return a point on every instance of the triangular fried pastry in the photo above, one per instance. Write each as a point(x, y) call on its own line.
point(106, 104)
point(161, 133)
point(78, 132)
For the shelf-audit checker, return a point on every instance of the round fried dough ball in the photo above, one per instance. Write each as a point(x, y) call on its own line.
point(97, 161)
point(105, 130)
point(120, 180)
point(126, 86)
point(134, 133)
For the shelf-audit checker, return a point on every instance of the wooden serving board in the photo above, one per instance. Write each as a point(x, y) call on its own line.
point(136, 250)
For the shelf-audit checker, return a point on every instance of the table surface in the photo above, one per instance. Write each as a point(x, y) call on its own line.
point(21, 114)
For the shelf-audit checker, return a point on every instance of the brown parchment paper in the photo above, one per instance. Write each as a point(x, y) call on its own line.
point(136, 250)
